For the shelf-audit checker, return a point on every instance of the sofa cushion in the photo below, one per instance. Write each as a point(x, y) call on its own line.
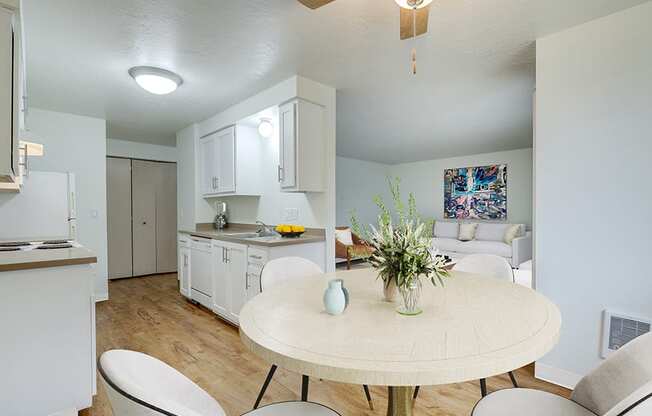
point(344, 236)
point(494, 232)
point(497, 248)
point(467, 232)
point(445, 229)
point(446, 244)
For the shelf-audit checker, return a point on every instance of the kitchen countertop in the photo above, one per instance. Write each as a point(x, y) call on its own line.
point(311, 235)
point(37, 259)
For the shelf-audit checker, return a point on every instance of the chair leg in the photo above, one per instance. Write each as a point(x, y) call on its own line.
point(305, 380)
point(511, 376)
point(483, 386)
point(366, 393)
point(270, 374)
point(416, 393)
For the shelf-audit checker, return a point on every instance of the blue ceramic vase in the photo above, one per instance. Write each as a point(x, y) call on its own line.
point(335, 299)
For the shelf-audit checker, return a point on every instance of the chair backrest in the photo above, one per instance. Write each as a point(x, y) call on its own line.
point(486, 264)
point(621, 382)
point(140, 385)
point(286, 268)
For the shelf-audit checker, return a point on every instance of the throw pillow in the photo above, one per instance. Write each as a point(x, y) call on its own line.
point(344, 236)
point(467, 232)
point(511, 233)
point(445, 229)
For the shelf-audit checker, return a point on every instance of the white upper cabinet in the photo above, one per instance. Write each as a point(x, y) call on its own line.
point(230, 162)
point(301, 153)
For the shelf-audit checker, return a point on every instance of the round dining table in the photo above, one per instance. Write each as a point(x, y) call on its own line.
point(473, 327)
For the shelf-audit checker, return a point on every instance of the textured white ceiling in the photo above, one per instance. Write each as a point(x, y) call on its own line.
point(472, 92)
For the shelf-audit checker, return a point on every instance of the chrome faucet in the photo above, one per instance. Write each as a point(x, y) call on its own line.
point(265, 230)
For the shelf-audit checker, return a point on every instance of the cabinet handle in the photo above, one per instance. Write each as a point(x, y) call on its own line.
point(280, 173)
point(253, 256)
point(247, 281)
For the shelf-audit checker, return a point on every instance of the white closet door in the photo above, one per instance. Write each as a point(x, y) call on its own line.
point(166, 218)
point(118, 201)
point(144, 184)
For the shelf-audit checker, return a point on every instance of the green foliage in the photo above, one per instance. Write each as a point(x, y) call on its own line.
point(402, 242)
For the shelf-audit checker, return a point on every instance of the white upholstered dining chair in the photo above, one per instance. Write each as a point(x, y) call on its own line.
point(281, 270)
point(486, 265)
point(620, 386)
point(140, 385)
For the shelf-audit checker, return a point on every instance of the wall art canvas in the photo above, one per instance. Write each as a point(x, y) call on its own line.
point(476, 193)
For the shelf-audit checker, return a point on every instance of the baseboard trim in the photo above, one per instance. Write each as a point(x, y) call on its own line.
point(556, 375)
point(101, 297)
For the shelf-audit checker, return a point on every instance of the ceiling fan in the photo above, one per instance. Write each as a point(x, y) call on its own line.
point(414, 15)
point(414, 20)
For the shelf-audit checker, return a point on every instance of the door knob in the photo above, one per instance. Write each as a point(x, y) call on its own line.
point(144, 222)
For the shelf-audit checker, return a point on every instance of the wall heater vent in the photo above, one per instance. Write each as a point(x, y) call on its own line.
point(619, 329)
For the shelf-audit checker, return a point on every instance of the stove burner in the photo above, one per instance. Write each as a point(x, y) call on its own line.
point(56, 242)
point(53, 246)
point(9, 249)
point(15, 244)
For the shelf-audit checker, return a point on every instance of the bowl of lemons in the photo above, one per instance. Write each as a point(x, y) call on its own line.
point(290, 231)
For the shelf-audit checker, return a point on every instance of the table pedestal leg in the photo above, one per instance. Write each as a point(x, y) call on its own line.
point(399, 401)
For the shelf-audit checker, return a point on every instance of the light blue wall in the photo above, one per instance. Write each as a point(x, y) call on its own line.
point(358, 182)
point(593, 195)
point(426, 180)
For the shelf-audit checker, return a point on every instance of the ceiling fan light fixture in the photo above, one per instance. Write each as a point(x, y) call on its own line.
point(413, 4)
point(155, 80)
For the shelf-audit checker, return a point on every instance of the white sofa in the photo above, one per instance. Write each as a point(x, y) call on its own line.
point(489, 239)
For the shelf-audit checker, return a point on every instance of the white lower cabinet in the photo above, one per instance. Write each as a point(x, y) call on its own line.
point(229, 279)
point(223, 276)
point(184, 266)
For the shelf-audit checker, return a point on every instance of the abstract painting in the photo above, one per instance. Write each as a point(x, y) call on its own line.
point(476, 193)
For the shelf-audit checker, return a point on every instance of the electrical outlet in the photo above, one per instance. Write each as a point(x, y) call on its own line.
point(291, 214)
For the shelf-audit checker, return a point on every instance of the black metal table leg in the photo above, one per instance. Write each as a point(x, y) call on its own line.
point(511, 376)
point(270, 374)
point(366, 393)
point(416, 392)
point(483, 386)
point(305, 380)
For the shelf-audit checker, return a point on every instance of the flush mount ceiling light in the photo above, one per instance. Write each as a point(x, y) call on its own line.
point(265, 128)
point(413, 4)
point(155, 80)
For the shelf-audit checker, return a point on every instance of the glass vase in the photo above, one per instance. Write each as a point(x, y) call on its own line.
point(389, 290)
point(411, 294)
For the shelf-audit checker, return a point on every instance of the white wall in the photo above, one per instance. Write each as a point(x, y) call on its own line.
point(186, 178)
point(426, 180)
point(138, 150)
point(358, 182)
point(78, 144)
point(592, 153)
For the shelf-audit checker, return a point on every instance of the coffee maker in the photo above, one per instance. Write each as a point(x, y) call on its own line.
point(221, 219)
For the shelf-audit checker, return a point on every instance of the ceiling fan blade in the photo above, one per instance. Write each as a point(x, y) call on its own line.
point(407, 30)
point(314, 4)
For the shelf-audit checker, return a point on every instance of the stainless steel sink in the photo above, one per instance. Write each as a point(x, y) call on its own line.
point(242, 235)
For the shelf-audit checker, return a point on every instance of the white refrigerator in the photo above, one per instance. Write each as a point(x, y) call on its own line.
point(45, 209)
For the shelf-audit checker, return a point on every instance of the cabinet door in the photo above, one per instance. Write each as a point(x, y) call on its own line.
point(288, 145)
point(184, 271)
point(220, 281)
point(226, 160)
point(237, 272)
point(253, 280)
point(8, 144)
point(209, 164)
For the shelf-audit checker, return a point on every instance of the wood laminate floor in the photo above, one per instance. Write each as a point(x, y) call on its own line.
point(149, 315)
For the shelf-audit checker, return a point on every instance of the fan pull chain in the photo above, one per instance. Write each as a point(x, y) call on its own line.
point(414, 33)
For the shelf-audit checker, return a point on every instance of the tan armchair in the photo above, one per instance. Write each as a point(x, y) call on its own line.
point(359, 249)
